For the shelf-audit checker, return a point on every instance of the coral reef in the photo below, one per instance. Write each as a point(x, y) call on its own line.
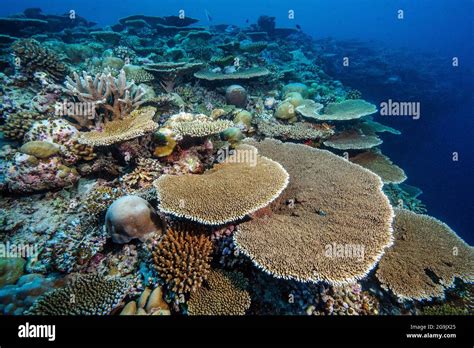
point(311, 219)
point(182, 259)
point(380, 165)
point(247, 180)
point(222, 294)
point(425, 258)
point(85, 295)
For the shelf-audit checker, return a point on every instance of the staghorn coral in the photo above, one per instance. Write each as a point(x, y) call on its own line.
point(224, 293)
point(296, 131)
point(380, 165)
point(115, 97)
point(137, 124)
point(352, 140)
point(331, 224)
point(85, 295)
point(18, 123)
point(240, 185)
point(425, 258)
point(182, 259)
point(33, 57)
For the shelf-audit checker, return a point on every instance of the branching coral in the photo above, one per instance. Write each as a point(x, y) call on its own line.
point(115, 96)
point(331, 224)
point(137, 124)
point(224, 293)
point(242, 184)
point(425, 259)
point(85, 295)
point(33, 57)
point(183, 259)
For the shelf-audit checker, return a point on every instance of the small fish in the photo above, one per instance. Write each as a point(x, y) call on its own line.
point(208, 15)
point(298, 27)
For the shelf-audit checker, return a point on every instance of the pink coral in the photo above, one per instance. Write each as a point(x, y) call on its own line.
point(28, 174)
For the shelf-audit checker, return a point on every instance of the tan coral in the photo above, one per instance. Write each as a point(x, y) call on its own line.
point(196, 125)
point(380, 165)
point(223, 294)
point(346, 110)
point(425, 258)
point(329, 204)
point(352, 140)
point(182, 259)
point(241, 185)
point(296, 131)
point(137, 124)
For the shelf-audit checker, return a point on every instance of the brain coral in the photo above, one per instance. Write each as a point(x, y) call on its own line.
point(346, 110)
point(332, 223)
point(223, 294)
point(240, 185)
point(91, 294)
point(183, 259)
point(380, 165)
point(425, 258)
point(138, 123)
point(131, 217)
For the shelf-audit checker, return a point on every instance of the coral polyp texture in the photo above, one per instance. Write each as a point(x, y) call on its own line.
point(380, 165)
point(242, 184)
point(346, 110)
point(199, 125)
point(182, 259)
point(223, 293)
point(353, 140)
point(135, 125)
point(425, 259)
point(33, 57)
point(85, 295)
point(332, 223)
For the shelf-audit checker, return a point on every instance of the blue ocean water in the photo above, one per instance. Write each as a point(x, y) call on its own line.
point(430, 28)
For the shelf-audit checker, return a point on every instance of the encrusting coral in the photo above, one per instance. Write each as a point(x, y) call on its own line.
point(182, 259)
point(248, 181)
point(425, 258)
point(137, 124)
point(332, 223)
point(86, 295)
point(223, 293)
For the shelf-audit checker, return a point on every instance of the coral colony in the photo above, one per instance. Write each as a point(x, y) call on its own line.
point(158, 167)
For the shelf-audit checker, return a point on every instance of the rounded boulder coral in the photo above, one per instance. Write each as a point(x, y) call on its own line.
point(131, 217)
